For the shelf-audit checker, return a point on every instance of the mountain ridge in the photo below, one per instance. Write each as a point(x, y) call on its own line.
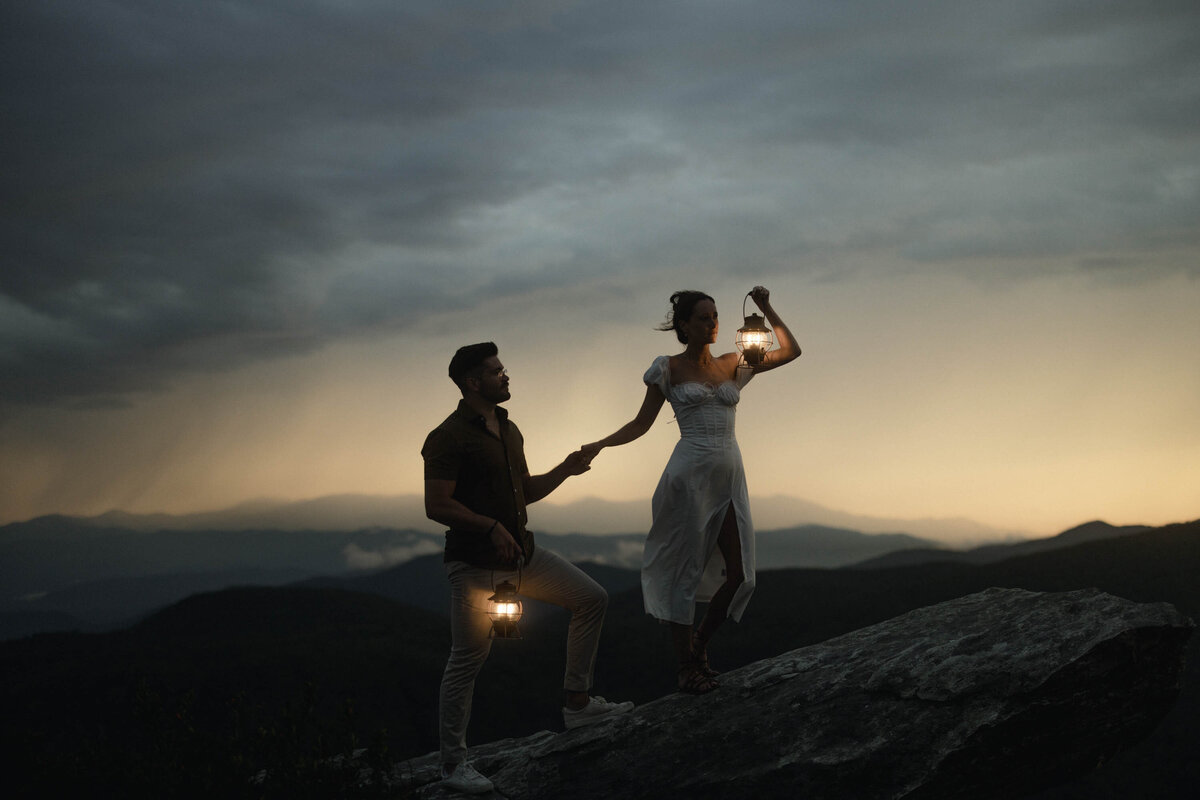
point(60, 572)
point(1096, 530)
point(588, 515)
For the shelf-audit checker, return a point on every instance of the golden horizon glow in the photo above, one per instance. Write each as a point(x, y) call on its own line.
point(1031, 408)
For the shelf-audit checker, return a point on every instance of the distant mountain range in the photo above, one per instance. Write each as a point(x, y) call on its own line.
point(100, 573)
point(1088, 532)
point(61, 573)
point(351, 512)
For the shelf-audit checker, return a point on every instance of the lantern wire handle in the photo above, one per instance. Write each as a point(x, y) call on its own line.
point(520, 562)
point(743, 362)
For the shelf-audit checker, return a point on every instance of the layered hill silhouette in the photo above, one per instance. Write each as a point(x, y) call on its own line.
point(104, 573)
point(351, 512)
point(59, 573)
point(1094, 531)
point(213, 686)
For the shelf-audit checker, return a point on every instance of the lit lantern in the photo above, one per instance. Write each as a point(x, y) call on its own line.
point(754, 338)
point(504, 609)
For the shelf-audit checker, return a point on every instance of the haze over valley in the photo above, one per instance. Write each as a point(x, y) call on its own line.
point(104, 572)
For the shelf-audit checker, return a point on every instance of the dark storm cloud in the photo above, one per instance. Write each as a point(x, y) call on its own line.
point(193, 186)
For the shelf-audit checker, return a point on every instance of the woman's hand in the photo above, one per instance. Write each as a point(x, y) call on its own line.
point(590, 451)
point(788, 349)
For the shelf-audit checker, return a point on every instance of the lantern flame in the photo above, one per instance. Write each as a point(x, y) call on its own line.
point(504, 610)
point(754, 339)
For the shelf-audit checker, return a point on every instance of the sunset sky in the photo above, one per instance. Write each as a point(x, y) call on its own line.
point(241, 240)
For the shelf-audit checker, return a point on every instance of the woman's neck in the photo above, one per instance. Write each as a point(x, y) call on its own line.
point(700, 355)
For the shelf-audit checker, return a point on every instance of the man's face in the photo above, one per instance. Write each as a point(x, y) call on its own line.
point(492, 382)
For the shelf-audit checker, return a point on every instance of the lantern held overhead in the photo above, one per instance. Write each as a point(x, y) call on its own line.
point(754, 338)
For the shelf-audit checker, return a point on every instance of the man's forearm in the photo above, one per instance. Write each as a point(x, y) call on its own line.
point(538, 486)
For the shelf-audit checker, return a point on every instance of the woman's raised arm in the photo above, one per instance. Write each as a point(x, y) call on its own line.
point(789, 349)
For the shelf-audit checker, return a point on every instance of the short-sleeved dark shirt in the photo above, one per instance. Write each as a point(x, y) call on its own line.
point(487, 472)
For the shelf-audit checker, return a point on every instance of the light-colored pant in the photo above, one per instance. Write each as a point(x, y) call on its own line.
point(547, 577)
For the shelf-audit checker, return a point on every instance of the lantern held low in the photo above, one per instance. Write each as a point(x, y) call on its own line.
point(504, 609)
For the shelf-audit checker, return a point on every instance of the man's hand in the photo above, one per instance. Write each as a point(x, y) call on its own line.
point(578, 462)
point(506, 546)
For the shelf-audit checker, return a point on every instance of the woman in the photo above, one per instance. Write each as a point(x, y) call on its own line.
point(701, 542)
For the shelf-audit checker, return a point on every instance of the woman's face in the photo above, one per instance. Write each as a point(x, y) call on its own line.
point(702, 326)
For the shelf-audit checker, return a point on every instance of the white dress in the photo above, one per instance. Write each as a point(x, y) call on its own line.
point(682, 563)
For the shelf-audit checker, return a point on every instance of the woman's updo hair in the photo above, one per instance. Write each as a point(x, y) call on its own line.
point(682, 305)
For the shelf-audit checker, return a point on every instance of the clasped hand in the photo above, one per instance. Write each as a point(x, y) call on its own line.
point(579, 462)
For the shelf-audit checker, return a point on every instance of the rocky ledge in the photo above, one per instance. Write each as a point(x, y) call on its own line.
point(994, 695)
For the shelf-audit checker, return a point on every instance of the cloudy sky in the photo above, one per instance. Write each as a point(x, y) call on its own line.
point(240, 241)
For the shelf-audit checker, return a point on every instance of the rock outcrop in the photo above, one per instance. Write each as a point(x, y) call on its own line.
point(994, 695)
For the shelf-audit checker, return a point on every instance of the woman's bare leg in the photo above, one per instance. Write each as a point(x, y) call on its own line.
point(691, 678)
point(730, 543)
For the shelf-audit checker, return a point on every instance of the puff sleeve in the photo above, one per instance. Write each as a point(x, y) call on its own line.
point(659, 374)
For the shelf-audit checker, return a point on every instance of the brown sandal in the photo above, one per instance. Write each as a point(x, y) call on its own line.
point(700, 656)
point(693, 680)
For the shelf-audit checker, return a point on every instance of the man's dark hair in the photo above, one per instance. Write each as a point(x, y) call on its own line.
point(467, 358)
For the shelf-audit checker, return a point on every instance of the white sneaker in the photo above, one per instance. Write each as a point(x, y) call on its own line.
point(597, 710)
point(466, 778)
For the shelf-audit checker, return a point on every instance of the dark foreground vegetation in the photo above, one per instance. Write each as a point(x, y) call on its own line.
point(264, 692)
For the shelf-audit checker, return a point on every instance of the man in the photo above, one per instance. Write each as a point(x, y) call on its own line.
point(478, 485)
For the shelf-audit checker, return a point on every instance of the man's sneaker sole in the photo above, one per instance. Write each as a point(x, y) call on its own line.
point(573, 721)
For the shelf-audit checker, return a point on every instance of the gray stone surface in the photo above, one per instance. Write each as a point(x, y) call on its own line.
point(994, 695)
